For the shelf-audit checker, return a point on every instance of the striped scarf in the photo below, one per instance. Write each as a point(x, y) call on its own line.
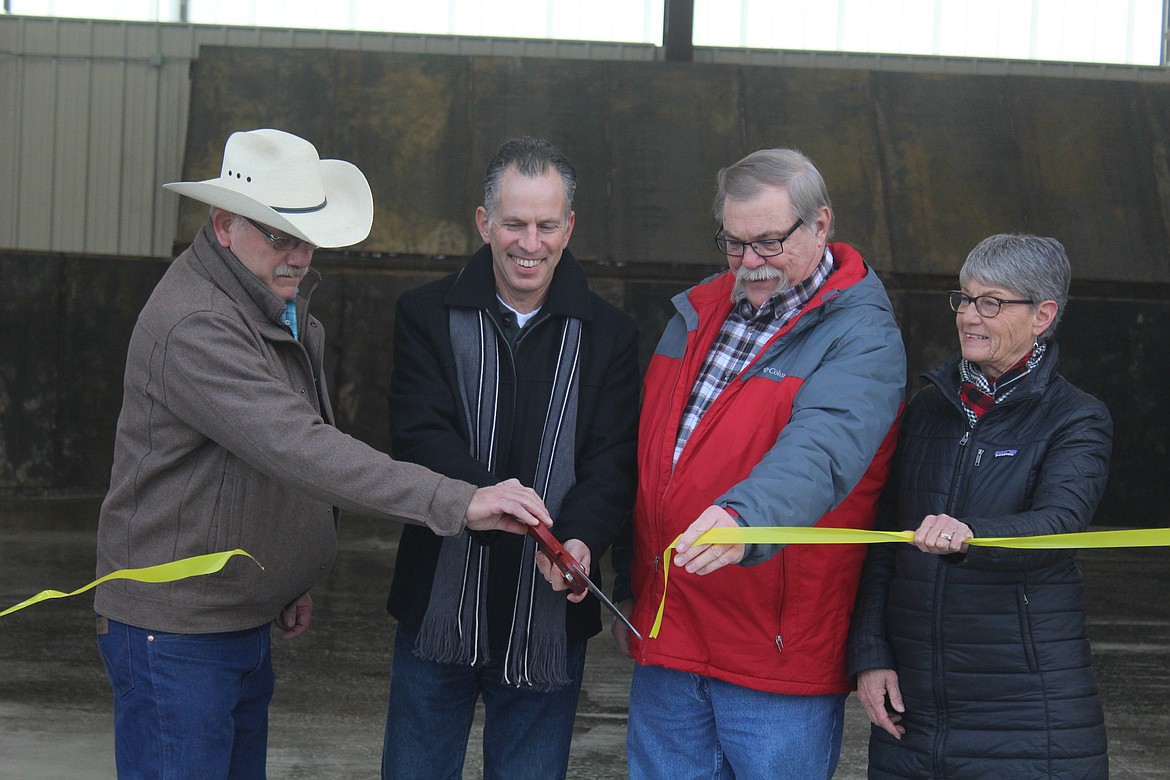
point(454, 629)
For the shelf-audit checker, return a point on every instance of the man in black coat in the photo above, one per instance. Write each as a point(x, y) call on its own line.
point(509, 368)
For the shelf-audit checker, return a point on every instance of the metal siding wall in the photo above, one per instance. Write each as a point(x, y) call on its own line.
point(37, 111)
point(80, 115)
point(103, 157)
point(139, 139)
point(70, 135)
point(178, 47)
point(93, 120)
point(10, 96)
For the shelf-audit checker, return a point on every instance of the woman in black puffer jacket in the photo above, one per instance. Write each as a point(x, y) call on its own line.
point(974, 662)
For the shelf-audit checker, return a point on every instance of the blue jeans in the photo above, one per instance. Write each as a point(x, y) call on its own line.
point(189, 705)
point(685, 725)
point(526, 733)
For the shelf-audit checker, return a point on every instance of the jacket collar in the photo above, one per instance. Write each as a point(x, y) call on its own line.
point(568, 294)
point(226, 271)
point(946, 376)
point(711, 298)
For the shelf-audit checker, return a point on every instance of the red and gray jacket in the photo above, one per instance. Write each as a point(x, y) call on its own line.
point(803, 436)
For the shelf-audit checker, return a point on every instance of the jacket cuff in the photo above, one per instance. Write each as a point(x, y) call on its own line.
point(448, 510)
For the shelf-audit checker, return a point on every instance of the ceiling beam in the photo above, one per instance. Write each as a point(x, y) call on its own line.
point(678, 30)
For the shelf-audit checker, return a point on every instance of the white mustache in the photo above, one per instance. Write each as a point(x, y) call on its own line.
point(284, 269)
point(761, 274)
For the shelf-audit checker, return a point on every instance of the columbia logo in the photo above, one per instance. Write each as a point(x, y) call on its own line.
point(774, 372)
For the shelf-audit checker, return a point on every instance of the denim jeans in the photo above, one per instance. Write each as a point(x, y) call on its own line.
point(526, 733)
point(685, 725)
point(189, 705)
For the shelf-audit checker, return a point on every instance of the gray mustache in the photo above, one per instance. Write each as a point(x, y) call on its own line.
point(293, 272)
point(763, 273)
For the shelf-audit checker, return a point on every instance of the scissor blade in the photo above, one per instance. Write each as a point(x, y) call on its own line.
point(608, 604)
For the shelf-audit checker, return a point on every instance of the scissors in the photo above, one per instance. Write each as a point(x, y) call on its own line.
point(573, 571)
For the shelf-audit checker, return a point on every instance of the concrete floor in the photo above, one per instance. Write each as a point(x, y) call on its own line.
point(328, 712)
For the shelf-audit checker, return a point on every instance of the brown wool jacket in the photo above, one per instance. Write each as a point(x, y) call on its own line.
point(226, 441)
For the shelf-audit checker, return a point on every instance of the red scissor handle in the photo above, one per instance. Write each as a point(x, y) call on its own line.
point(570, 567)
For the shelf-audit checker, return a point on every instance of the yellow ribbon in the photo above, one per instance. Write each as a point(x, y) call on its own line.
point(1140, 537)
point(164, 572)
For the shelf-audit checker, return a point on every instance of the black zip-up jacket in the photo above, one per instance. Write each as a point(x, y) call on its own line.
point(427, 426)
point(990, 646)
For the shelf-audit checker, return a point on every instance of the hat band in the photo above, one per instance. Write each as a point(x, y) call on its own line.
point(307, 210)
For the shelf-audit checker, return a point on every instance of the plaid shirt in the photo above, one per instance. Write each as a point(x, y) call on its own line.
point(744, 333)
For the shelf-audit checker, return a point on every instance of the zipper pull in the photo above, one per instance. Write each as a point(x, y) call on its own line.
point(966, 437)
point(979, 456)
point(657, 561)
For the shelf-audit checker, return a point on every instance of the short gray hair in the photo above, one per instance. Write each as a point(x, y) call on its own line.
point(1034, 267)
point(237, 220)
point(530, 157)
point(785, 168)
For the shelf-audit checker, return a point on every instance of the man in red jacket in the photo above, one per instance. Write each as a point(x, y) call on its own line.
point(771, 400)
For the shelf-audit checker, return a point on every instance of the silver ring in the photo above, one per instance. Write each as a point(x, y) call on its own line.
point(945, 536)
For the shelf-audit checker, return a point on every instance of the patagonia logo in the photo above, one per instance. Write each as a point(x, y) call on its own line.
point(1005, 453)
point(773, 372)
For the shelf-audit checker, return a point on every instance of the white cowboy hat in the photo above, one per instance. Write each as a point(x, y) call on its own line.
point(278, 179)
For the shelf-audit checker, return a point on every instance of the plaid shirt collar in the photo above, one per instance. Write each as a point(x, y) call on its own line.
point(785, 303)
point(742, 336)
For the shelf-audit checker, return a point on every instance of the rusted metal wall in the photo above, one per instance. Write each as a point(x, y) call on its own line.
point(920, 168)
point(60, 378)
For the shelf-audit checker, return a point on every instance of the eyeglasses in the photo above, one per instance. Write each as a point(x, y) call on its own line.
point(765, 247)
point(987, 305)
point(279, 243)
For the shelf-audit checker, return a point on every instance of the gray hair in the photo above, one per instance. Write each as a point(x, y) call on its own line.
point(1033, 267)
point(530, 157)
point(237, 220)
point(785, 168)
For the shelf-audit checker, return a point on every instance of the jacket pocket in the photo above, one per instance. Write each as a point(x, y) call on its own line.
point(781, 594)
point(1026, 629)
point(225, 530)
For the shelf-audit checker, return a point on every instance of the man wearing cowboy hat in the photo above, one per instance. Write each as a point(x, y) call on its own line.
point(226, 441)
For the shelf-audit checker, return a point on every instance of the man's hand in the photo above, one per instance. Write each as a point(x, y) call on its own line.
point(873, 685)
point(556, 577)
point(706, 558)
point(508, 506)
point(942, 535)
point(621, 634)
point(294, 619)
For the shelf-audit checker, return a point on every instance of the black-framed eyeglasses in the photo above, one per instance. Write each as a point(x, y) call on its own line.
point(987, 305)
point(764, 247)
point(279, 243)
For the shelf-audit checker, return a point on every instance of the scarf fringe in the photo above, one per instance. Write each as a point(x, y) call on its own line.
point(547, 670)
point(439, 640)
